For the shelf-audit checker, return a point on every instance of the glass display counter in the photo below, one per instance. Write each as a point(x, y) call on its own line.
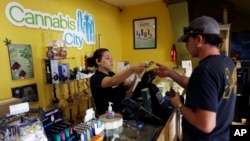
point(130, 131)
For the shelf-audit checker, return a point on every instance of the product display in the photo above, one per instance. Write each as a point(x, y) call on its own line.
point(31, 130)
point(23, 126)
point(57, 49)
point(56, 128)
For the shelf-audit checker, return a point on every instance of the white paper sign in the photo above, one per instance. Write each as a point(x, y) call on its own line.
point(187, 64)
point(19, 108)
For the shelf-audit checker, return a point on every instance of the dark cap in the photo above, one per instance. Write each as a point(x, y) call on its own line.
point(200, 25)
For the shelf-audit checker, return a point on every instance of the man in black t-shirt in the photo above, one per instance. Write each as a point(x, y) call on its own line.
point(211, 90)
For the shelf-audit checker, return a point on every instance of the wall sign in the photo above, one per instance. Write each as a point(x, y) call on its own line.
point(144, 33)
point(76, 31)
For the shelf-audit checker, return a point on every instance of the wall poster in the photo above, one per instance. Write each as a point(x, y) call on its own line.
point(144, 31)
point(28, 93)
point(21, 63)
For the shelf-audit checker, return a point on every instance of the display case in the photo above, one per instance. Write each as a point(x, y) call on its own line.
point(130, 131)
point(67, 88)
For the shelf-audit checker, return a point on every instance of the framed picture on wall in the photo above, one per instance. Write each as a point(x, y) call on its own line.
point(21, 63)
point(28, 93)
point(144, 31)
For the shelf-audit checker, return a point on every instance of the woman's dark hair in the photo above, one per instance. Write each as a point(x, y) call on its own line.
point(212, 39)
point(97, 55)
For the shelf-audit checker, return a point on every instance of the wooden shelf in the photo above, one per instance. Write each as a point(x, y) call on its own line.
point(60, 58)
point(70, 81)
point(76, 101)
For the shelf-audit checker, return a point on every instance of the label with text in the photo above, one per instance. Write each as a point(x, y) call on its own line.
point(239, 132)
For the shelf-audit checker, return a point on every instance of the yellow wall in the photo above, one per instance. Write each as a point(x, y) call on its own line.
point(107, 24)
point(114, 26)
point(179, 19)
point(164, 33)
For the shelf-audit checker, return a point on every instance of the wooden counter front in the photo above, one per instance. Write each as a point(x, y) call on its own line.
point(168, 132)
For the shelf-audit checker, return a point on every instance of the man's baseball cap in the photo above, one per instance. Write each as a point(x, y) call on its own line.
point(200, 25)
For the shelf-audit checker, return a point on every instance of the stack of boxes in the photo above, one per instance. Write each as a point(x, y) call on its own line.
point(56, 128)
point(56, 71)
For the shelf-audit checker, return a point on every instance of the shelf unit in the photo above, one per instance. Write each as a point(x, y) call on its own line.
point(71, 96)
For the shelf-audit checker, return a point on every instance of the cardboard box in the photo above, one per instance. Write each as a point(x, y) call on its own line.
point(48, 71)
point(60, 72)
point(52, 72)
point(65, 71)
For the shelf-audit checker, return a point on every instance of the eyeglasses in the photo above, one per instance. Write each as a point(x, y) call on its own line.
point(188, 30)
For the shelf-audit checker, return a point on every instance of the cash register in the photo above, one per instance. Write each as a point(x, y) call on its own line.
point(152, 109)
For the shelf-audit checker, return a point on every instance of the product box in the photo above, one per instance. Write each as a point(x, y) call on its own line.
point(48, 71)
point(60, 72)
point(56, 128)
point(65, 71)
point(52, 72)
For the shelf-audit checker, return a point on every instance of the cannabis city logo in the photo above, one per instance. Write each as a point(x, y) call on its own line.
point(75, 32)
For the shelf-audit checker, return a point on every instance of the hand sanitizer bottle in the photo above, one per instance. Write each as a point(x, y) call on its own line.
point(110, 113)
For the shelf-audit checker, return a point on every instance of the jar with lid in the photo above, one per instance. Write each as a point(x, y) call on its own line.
point(63, 52)
point(57, 53)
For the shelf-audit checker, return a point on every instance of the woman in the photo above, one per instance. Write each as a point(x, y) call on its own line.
point(106, 86)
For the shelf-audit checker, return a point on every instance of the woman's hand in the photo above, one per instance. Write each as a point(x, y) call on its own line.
point(138, 68)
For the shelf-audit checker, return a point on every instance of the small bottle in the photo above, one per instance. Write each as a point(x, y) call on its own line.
point(63, 52)
point(110, 113)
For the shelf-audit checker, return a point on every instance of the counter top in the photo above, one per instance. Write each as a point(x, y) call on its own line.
point(130, 131)
point(141, 124)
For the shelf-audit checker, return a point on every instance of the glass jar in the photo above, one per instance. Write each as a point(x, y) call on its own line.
point(57, 53)
point(63, 52)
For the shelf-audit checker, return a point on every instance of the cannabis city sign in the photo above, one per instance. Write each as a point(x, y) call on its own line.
point(76, 32)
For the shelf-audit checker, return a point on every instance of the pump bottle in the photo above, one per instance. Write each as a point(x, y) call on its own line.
point(110, 112)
